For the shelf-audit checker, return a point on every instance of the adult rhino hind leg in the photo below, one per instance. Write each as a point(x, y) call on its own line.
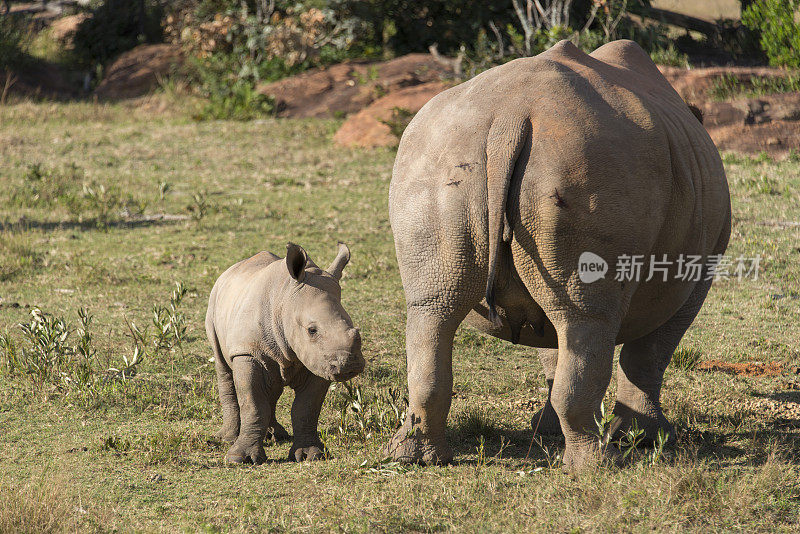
point(545, 421)
point(583, 372)
point(429, 348)
point(641, 367)
point(441, 286)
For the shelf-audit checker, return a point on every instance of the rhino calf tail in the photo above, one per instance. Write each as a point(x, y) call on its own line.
point(507, 136)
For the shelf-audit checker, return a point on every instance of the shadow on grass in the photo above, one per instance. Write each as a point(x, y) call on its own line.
point(144, 221)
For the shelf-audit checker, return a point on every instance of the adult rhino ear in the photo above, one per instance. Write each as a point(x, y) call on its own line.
point(296, 259)
point(339, 263)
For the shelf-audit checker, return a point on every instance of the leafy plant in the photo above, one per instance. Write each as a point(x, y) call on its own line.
point(168, 322)
point(729, 86)
point(686, 359)
point(363, 413)
point(399, 120)
point(777, 22)
point(14, 36)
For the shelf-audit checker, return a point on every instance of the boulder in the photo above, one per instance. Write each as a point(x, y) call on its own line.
point(349, 87)
point(137, 72)
point(369, 128)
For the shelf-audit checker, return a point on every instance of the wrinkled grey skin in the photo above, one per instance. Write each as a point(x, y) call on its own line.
point(501, 183)
point(273, 323)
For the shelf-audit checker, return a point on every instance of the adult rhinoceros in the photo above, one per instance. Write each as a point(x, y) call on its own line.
point(503, 182)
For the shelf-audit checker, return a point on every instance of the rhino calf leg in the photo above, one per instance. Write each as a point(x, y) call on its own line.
point(276, 432)
point(583, 372)
point(308, 399)
point(250, 380)
point(429, 346)
point(641, 367)
point(545, 421)
point(227, 396)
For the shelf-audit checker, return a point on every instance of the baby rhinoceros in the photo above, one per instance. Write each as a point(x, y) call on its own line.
point(275, 323)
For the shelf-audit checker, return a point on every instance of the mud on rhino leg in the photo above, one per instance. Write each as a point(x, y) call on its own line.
point(545, 421)
point(583, 372)
point(640, 372)
point(251, 384)
point(429, 348)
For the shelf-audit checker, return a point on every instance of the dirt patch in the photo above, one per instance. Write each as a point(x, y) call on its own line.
point(769, 123)
point(137, 72)
point(748, 368)
point(351, 86)
point(369, 128)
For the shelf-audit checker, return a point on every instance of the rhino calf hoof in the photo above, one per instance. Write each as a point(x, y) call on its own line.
point(312, 452)
point(417, 448)
point(246, 452)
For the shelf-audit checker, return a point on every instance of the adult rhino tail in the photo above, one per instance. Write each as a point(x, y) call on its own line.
point(507, 136)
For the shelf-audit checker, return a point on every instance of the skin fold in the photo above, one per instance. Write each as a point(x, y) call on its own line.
point(272, 323)
point(501, 183)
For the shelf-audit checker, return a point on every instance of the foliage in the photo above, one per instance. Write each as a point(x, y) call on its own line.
point(68, 187)
point(686, 359)
point(234, 50)
point(361, 413)
point(399, 120)
point(14, 36)
point(669, 55)
point(730, 86)
point(55, 355)
point(116, 26)
point(777, 22)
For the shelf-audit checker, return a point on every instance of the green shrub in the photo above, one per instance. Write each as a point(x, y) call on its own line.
point(729, 86)
point(777, 21)
point(13, 38)
point(669, 56)
point(686, 359)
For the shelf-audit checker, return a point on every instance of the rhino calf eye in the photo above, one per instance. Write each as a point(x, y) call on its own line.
point(312, 330)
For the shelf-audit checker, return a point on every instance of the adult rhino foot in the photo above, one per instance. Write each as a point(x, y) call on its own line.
point(412, 446)
point(650, 424)
point(545, 422)
point(228, 433)
point(247, 450)
point(277, 433)
point(589, 454)
point(314, 451)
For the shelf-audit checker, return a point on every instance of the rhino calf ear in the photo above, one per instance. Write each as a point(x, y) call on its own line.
point(339, 263)
point(296, 259)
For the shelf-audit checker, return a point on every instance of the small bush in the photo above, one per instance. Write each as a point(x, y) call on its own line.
point(670, 56)
point(399, 120)
point(13, 39)
point(777, 21)
point(686, 359)
point(68, 187)
point(729, 86)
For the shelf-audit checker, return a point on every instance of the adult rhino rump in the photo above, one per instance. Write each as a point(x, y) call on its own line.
point(501, 183)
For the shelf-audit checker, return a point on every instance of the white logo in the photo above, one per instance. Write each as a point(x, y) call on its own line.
point(591, 267)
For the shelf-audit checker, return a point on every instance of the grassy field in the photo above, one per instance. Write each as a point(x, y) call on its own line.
point(107, 207)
